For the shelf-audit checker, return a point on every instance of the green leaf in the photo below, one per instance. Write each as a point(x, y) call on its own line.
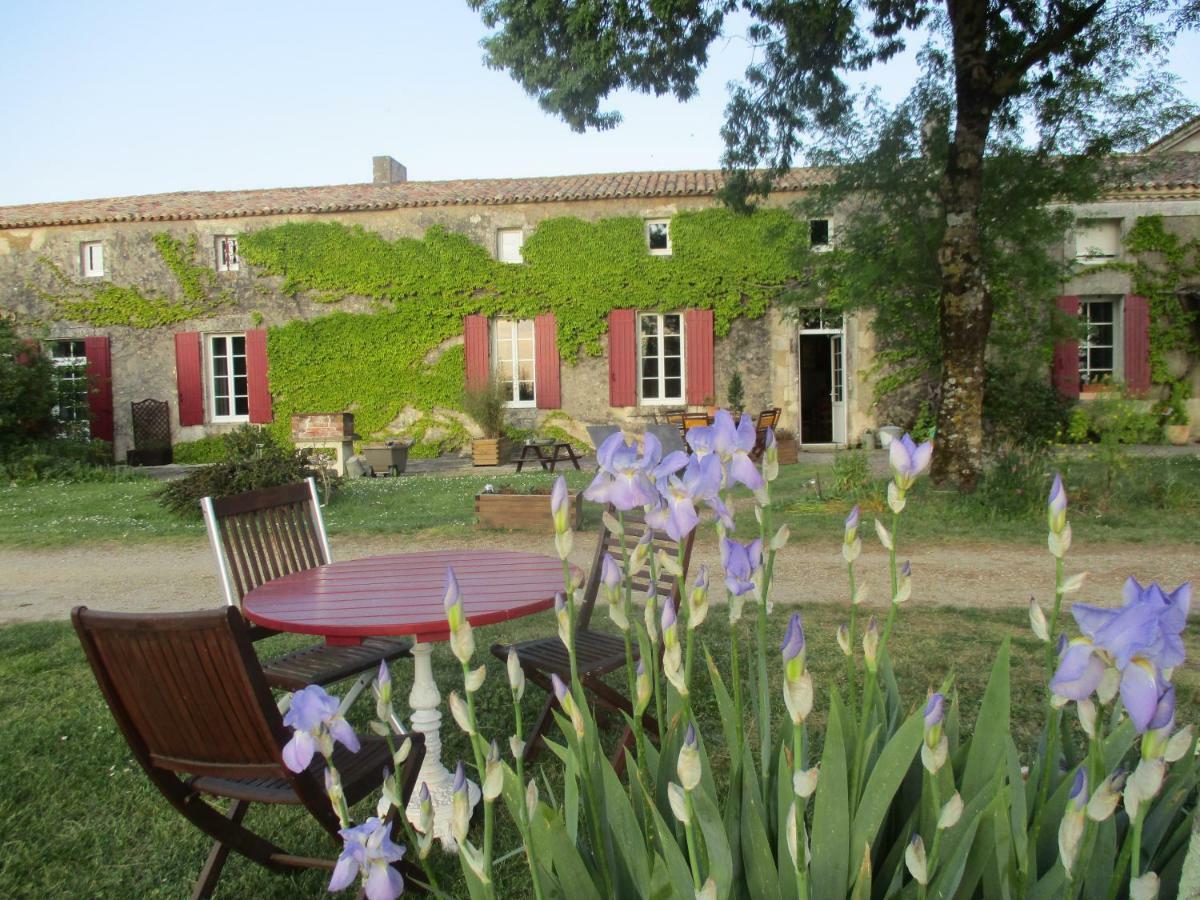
point(729, 716)
point(784, 795)
point(626, 833)
point(761, 876)
point(948, 880)
point(862, 879)
point(1098, 872)
point(1018, 816)
point(884, 781)
point(830, 869)
point(669, 851)
point(989, 743)
point(569, 865)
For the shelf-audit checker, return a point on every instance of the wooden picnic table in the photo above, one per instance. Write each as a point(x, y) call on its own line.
point(548, 462)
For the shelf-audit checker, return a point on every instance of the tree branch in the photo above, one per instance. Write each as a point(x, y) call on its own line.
point(1051, 42)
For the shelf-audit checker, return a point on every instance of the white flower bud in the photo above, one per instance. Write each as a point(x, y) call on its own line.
point(462, 715)
point(516, 675)
point(612, 523)
point(462, 643)
point(798, 696)
point(1087, 717)
point(493, 779)
point(914, 859)
point(793, 840)
point(1074, 583)
point(564, 542)
point(1110, 683)
point(651, 616)
point(885, 536)
point(516, 746)
point(1144, 784)
point(678, 802)
point(531, 797)
point(1179, 744)
point(1103, 803)
point(895, 499)
point(804, 782)
point(851, 551)
point(933, 758)
point(843, 639)
point(667, 562)
point(1070, 832)
point(860, 595)
point(687, 766)
point(1037, 621)
point(474, 679)
point(951, 812)
point(781, 538)
point(1144, 887)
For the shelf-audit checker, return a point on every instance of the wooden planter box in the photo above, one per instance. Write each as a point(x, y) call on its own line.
point(787, 450)
point(491, 451)
point(522, 511)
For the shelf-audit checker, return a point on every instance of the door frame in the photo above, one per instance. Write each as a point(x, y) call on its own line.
point(822, 328)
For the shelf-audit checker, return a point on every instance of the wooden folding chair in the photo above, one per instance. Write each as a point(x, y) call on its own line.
point(693, 420)
point(767, 419)
point(597, 653)
point(189, 696)
point(266, 534)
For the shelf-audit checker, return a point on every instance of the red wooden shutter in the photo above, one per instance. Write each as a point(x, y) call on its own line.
point(1066, 353)
point(475, 341)
point(698, 343)
point(546, 362)
point(1137, 344)
point(189, 378)
point(100, 392)
point(622, 358)
point(258, 388)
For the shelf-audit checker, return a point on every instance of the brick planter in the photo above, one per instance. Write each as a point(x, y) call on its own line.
point(525, 511)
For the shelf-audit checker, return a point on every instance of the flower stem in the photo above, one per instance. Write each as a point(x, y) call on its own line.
point(523, 812)
point(764, 702)
point(851, 666)
point(737, 689)
point(801, 863)
point(693, 852)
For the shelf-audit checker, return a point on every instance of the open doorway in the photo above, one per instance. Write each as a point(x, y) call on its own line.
point(822, 379)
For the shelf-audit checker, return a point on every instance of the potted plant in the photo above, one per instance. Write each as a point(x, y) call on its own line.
point(511, 507)
point(737, 394)
point(486, 407)
point(1175, 414)
point(785, 444)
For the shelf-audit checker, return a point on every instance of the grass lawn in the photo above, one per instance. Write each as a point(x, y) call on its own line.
point(79, 819)
point(1142, 501)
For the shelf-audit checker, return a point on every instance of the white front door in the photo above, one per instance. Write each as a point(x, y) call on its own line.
point(838, 393)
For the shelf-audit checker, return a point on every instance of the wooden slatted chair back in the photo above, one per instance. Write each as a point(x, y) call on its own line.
point(186, 691)
point(265, 534)
point(635, 526)
point(768, 418)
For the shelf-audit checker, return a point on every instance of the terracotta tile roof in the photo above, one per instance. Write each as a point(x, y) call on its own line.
point(1173, 174)
point(360, 197)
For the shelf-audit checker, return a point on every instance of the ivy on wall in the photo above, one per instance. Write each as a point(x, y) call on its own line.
point(1163, 264)
point(107, 304)
point(378, 362)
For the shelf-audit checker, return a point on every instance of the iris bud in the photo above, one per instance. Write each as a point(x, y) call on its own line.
point(870, 643)
point(687, 766)
point(516, 675)
point(843, 638)
point(951, 812)
point(914, 860)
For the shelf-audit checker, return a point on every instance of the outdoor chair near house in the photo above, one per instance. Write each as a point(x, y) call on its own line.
point(767, 419)
point(668, 436)
point(191, 701)
point(151, 421)
point(269, 533)
point(597, 653)
point(693, 420)
point(598, 434)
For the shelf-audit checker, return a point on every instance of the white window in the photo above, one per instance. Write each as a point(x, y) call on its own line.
point(71, 388)
point(514, 360)
point(227, 382)
point(91, 259)
point(1097, 240)
point(660, 357)
point(818, 235)
point(227, 253)
point(658, 237)
point(508, 245)
point(1100, 355)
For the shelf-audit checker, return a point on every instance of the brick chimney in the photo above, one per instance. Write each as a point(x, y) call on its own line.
point(388, 171)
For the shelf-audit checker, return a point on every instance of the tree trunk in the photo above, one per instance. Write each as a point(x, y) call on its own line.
point(965, 307)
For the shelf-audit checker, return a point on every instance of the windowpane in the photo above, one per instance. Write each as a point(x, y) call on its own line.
point(514, 359)
point(671, 324)
point(661, 363)
point(649, 324)
point(650, 388)
point(650, 367)
point(228, 374)
point(673, 389)
point(243, 406)
point(525, 391)
point(658, 235)
point(671, 345)
point(673, 367)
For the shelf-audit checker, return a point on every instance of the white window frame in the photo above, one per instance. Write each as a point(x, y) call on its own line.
point(1117, 373)
point(500, 254)
point(210, 377)
point(225, 264)
point(91, 259)
point(660, 251)
point(512, 354)
point(660, 400)
point(1082, 227)
point(74, 427)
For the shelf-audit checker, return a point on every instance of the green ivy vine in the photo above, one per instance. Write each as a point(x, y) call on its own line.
point(380, 362)
point(107, 304)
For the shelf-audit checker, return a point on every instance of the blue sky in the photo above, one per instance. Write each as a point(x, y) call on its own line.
point(137, 97)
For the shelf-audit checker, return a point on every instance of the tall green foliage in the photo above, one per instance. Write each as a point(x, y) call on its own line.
point(27, 392)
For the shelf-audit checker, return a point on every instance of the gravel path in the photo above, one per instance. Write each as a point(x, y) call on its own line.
point(180, 575)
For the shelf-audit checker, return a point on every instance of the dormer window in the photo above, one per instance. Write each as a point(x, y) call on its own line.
point(818, 234)
point(509, 242)
point(658, 237)
point(1097, 240)
point(91, 259)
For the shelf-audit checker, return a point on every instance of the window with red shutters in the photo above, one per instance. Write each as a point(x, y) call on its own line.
point(100, 388)
point(546, 362)
point(698, 329)
point(1066, 353)
point(189, 377)
point(622, 358)
point(258, 387)
point(475, 347)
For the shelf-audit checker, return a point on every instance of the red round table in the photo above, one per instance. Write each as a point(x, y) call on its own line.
point(345, 602)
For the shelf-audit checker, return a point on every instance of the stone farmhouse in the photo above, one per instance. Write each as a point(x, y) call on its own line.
point(196, 298)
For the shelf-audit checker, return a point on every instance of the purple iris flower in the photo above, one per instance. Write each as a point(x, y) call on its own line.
point(689, 737)
point(311, 713)
point(935, 710)
point(624, 479)
point(560, 688)
point(852, 520)
point(1143, 637)
point(610, 572)
point(369, 846)
point(733, 445)
point(1056, 507)
point(740, 562)
point(1078, 795)
point(558, 496)
point(908, 460)
point(702, 439)
point(1164, 712)
point(793, 639)
point(701, 480)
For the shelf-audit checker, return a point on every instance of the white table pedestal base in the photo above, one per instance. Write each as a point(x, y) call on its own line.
point(427, 720)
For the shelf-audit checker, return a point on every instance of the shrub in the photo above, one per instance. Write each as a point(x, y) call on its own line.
point(208, 449)
point(61, 459)
point(1015, 483)
point(1022, 411)
point(251, 459)
point(1113, 417)
point(486, 407)
point(27, 394)
point(851, 474)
